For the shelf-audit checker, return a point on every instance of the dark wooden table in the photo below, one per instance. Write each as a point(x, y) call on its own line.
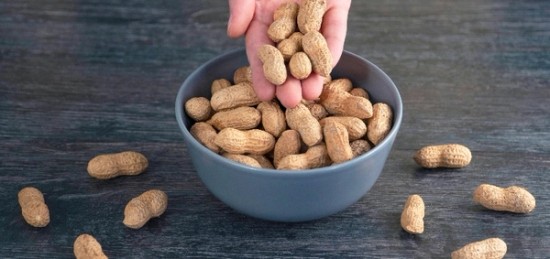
point(79, 78)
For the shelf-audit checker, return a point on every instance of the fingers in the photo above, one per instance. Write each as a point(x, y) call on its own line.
point(255, 38)
point(312, 86)
point(290, 92)
point(241, 13)
point(335, 23)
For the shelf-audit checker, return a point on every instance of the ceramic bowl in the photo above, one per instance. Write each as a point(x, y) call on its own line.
point(284, 195)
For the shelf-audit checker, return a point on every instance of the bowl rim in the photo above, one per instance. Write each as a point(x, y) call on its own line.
point(179, 113)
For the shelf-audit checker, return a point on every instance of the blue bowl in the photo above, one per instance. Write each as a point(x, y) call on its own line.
point(284, 195)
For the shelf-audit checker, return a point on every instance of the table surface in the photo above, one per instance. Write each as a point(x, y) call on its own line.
point(79, 78)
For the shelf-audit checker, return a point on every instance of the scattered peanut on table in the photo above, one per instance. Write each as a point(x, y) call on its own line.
point(107, 166)
point(33, 207)
point(512, 199)
point(490, 248)
point(412, 217)
point(446, 155)
point(142, 208)
point(86, 247)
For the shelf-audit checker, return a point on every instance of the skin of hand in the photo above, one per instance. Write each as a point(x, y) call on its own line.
point(252, 19)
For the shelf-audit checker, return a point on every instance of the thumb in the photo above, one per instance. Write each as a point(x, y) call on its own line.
point(241, 13)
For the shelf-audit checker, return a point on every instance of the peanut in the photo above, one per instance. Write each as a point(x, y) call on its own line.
point(359, 147)
point(273, 64)
point(33, 207)
point(300, 119)
point(86, 247)
point(107, 166)
point(242, 75)
point(512, 199)
point(300, 65)
point(316, 48)
point(358, 91)
point(242, 118)
point(263, 161)
point(342, 103)
point(317, 110)
point(243, 159)
point(412, 217)
point(380, 123)
point(341, 84)
point(198, 108)
point(273, 117)
point(241, 94)
point(316, 156)
point(219, 84)
point(447, 155)
point(288, 144)
point(290, 45)
point(337, 141)
point(252, 141)
point(142, 208)
point(205, 134)
point(310, 15)
point(355, 127)
point(490, 248)
point(284, 22)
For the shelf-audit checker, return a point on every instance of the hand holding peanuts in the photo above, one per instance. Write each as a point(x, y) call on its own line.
point(253, 19)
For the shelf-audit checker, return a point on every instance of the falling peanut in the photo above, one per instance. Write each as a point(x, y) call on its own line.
point(142, 208)
point(490, 248)
point(273, 64)
point(310, 15)
point(284, 22)
point(290, 45)
point(33, 207)
point(86, 247)
point(300, 65)
point(512, 199)
point(447, 155)
point(316, 48)
point(412, 217)
point(107, 166)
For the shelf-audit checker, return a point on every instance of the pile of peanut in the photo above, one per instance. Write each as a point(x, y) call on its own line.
point(237, 125)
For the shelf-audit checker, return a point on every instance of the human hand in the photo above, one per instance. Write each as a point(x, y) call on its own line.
point(253, 17)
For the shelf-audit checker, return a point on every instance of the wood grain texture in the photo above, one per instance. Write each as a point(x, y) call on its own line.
point(79, 78)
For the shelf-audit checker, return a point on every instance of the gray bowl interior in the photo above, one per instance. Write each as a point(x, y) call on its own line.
point(289, 195)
